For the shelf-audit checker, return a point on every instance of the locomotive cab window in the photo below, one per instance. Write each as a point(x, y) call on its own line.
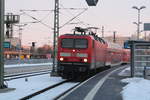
point(74, 43)
point(67, 43)
point(81, 43)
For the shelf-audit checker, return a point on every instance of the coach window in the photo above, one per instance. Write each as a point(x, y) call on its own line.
point(67, 43)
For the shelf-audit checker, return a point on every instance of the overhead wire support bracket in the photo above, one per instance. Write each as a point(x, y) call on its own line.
point(56, 35)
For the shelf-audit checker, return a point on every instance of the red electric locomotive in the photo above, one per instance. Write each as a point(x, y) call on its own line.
point(79, 54)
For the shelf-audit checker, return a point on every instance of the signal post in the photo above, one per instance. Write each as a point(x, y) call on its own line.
point(1, 44)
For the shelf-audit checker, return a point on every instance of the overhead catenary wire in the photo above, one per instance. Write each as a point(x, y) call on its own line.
point(63, 8)
point(80, 22)
point(37, 21)
point(33, 10)
point(73, 18)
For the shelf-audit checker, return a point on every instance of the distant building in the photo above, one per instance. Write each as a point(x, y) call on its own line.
point(119, 40)
point(143, 36)
point(15, 49)
point(18, 51)
point(15, 42)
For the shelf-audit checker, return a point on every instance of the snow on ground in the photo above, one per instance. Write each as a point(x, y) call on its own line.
point(24, 88)
point(125, 72)
point(26, 65)
point(50, 95)
point(136, 89)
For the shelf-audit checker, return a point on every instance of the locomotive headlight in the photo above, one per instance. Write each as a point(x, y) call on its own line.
point(73, 50)
point(85, 60)
point(61, 59)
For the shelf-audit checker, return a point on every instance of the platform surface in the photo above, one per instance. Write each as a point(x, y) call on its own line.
point(106, 85)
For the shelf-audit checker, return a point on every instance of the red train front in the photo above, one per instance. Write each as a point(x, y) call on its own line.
point(81, 54)
point(77, 54)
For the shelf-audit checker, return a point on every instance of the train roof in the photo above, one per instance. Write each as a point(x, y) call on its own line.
point(113, 45)
point(78, 31)
point(109, 44)
point(68, 35)
point(92, 35)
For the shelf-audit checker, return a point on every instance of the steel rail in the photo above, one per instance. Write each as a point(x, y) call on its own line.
point(43, 90)
point(11, 75)
point(65, 92)
point(24, 75)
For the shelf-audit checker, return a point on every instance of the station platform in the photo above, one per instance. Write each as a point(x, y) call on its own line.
point(106, 85)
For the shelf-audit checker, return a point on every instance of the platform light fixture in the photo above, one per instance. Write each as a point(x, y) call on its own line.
point(138, 23)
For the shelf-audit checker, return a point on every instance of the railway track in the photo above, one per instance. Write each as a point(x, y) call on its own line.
point(68, 90)
point(25, 69)
point(43, 90)
point(60, 95)
point(49, 88)
point(25, 74)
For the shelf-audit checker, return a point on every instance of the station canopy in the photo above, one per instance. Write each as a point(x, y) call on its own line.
point(92, 2)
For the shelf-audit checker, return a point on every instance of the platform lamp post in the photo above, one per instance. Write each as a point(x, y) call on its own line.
point(138, 22)
point(114, 36)
point(2, 85)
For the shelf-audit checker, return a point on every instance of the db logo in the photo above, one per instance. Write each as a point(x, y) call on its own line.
point(73, 54)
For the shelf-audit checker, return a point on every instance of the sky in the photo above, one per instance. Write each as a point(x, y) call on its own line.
point(114, 15)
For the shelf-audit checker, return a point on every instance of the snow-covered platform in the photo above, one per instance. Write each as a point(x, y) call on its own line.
point(20, 88)
point(113, 84)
